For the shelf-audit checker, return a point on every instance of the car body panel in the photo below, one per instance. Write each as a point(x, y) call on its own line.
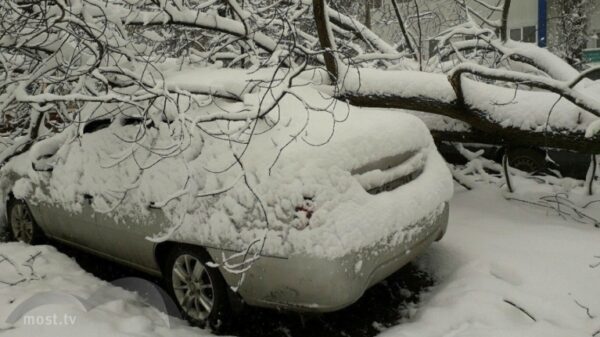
point(124, 241)
point(150, 270)
point(312, 284)
point(127, 238)
point(298, 282)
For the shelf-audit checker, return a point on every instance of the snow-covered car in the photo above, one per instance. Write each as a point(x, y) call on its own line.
point(303, 225)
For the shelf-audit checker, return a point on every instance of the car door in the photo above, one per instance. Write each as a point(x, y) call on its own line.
point(121, 225)
point(71, 222)
point(126, 237)
point(70, 211)
point(74, 224)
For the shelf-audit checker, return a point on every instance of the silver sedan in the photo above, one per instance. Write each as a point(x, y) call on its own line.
point(196, 270)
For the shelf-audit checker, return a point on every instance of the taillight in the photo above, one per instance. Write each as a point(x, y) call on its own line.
point(307, 211)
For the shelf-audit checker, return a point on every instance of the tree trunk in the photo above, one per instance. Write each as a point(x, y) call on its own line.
point(485, 130)
point(368, 13)
point(328, 45)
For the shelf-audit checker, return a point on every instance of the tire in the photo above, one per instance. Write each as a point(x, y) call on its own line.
point(199, 291)
point(22, 225)
point(527, 160)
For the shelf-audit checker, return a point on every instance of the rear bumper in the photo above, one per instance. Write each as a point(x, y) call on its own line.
point(312, 284)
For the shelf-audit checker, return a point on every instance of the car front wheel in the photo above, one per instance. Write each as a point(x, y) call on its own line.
point(199, 290)
point(22, 225)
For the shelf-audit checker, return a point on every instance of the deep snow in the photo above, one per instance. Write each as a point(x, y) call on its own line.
point(496, 251)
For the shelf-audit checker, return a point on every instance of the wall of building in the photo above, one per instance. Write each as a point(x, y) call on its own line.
point(595, 27)
point(445, 13)
point(523, 13)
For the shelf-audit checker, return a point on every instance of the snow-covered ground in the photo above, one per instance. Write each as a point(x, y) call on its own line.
point(498, 252)
point(505, 268)
point(118, 313)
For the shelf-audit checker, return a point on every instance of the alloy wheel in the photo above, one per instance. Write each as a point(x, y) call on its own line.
point(22, 223)
point(193, 287)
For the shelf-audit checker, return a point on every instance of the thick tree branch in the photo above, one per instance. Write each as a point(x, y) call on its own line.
point(403, 29)
point(565, 90)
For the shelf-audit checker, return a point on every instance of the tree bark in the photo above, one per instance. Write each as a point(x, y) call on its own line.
point(403, 29)
point(368, 13)
point(504, 26)
point(327, 44)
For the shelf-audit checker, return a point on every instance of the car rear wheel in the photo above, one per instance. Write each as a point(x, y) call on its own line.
point(22, 225)
point(199, 290)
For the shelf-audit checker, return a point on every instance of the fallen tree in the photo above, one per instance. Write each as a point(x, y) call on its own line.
point(58, 56)
point(432, 94)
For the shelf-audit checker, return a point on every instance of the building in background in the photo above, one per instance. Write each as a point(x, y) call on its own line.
point(534, 21)
point(527, 22)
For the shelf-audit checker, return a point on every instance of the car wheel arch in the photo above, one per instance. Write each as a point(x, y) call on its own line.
point(162, 251)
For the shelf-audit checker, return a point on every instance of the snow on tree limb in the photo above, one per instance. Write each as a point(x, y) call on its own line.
point(564, 89)
point(104, 52)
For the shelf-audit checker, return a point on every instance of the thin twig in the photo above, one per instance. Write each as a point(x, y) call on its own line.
point(521, 309)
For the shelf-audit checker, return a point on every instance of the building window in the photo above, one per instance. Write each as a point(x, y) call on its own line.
point(529, 34)
point(525, 34)
point(515, 34)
